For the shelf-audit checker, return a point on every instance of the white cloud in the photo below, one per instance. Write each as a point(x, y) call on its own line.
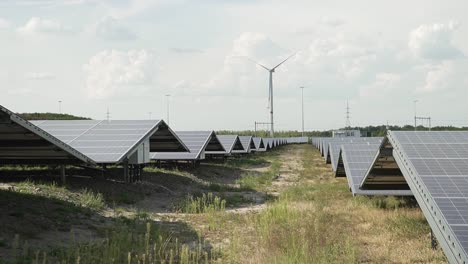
point(239, 75)
point(119, 73)
point(37, 25)
point(446, 76)
point(133, 7)
point(48, 3)
point(343, 58)
point(434, 41)
point(39, 76)
point(112, 29)
point(382, 85)
point(4, 23)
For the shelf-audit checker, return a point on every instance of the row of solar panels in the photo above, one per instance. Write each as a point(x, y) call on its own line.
point(95, 142)
point(430, 165)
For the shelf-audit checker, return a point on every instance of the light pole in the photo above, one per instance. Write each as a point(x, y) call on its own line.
point(302, 98)
point(60, 106)
point(149, 113)
point(167, 107)
point(415, 115)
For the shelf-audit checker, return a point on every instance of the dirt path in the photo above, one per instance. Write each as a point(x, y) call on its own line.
point(291, 167)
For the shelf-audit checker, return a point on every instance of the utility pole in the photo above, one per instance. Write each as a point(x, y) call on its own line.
point(302, 96)
point(415, 115)
point(348, 122)
point(167, 107)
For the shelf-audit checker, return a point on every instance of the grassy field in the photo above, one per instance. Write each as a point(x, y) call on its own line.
point(283, 206)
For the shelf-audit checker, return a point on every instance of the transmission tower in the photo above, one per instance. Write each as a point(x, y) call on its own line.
point(348, 122)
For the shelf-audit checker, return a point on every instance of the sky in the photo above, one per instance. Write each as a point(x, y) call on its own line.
point(127, 55)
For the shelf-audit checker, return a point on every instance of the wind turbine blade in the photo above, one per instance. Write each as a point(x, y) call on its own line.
point(258, 64)
point(294, 54)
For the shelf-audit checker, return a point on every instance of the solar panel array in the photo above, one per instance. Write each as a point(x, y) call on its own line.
point(127, 142)
point(352, 157)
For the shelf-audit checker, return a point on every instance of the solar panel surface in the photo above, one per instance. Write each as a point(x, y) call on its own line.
point(335, 147)
point(247, 143)
point(229, 142)
point(259, 143)
point(103, 141)
point(357, 159)
point(196, 141)
point(435, 165)
point(22, 141)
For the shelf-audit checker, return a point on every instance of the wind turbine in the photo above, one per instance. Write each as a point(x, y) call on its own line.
point(270, 94)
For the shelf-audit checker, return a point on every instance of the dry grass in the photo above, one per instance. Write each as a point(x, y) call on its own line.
point(306, 216)
point(315, 219)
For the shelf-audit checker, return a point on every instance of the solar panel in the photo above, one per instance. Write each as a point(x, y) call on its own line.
point(435, 165)
point(297, 140)
point(356, 159)
point(259, 144)
point(196, 141)
point(230, 143)
point(335, 147)
point(112, 141)
point(247, 143)
point(22, 142)
point(340, 140)
point(269, 143)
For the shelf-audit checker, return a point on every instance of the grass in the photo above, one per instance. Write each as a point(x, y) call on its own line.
point(313, 219)
point(407, 225)
point(84, 198)
point(206, 203)
point(255, 181)
point(139, 243)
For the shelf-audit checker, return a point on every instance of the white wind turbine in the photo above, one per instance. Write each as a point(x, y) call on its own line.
point(270, 91)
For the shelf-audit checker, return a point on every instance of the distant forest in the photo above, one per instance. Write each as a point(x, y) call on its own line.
point(50, 116)
point(370, 131)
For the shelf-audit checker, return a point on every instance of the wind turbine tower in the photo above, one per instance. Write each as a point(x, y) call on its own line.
point(270, 90)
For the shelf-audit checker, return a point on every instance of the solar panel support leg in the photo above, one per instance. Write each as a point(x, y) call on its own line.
point(125, 168)
point(63, 175)
point(433, 241)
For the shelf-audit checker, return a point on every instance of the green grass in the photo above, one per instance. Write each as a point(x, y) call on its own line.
point(386, 202)
point(245, 162)
point(206, 203)
point(255, 181)
point(287, 234)
point(143, 243)
point(408, 226)
point(84, 198)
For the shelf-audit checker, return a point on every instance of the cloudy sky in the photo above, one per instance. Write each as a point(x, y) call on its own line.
point(126, 55)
